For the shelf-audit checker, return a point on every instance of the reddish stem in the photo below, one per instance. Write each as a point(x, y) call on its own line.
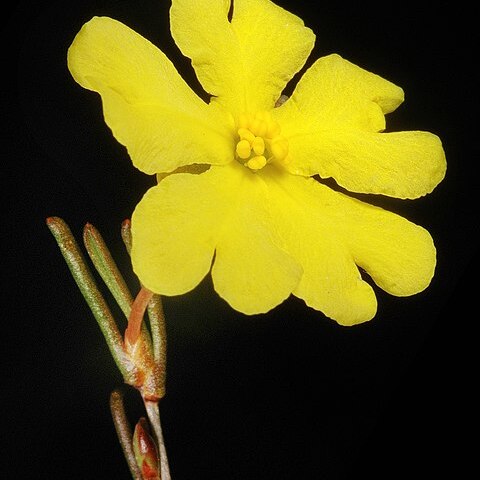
point(136, 316)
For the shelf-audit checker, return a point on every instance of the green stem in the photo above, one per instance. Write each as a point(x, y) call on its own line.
point(153, 413)
point(124, 433)
point(86, 283)
point(159, 333)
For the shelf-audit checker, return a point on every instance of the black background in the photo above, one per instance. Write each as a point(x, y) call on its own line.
point(286, 395)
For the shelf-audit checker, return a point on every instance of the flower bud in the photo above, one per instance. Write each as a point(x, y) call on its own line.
point(146, 453)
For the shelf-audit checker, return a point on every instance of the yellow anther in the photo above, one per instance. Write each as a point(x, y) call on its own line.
point(257, 162)
point(246, 134)
point(259, 141)
point(258, 145)
point(243, 149)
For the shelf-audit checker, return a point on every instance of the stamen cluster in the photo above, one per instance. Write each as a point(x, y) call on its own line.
point(260, 141)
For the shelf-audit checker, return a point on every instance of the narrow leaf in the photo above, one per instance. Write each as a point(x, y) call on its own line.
point(107, 268)
point(86, 283)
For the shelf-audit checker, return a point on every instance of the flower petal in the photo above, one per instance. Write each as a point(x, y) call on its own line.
point(331, 281)
point(334, 94)
point(175, 228)
point(245, 63)
point(336, 233)
point(399, 164)
point(182, 221)
point(148, 106)
point(332, 122)
point(251, 272)
point(399, 255)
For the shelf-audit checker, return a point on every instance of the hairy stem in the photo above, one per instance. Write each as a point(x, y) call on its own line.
point(124, 433)
point(153, 413)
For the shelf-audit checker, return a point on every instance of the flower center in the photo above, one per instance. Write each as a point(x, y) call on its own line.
point(259, 141)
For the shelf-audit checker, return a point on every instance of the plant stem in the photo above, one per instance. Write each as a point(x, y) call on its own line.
point(153, 413)
point(124, 433)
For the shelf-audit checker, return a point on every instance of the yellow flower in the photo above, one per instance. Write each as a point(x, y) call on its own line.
point(242, 194)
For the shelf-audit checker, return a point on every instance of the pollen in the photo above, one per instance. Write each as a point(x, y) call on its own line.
point(244, 149)
point(258, 145)
point(257, 162)
point(259, 141)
